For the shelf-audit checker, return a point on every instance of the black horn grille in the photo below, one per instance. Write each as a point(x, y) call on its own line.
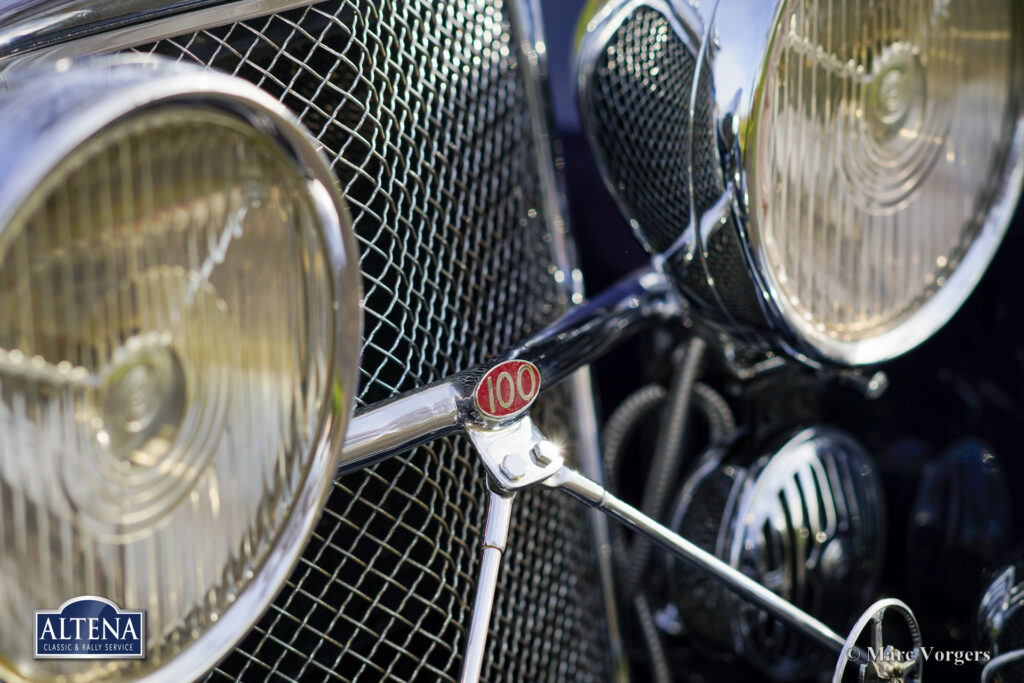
point(421, 108)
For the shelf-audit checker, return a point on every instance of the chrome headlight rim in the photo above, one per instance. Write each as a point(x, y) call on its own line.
point(66, 92)
point(941, 306)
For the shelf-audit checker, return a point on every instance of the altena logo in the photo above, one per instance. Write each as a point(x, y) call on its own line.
point(89, 627)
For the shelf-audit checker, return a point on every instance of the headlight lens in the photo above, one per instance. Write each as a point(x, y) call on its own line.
point(880, 149)
point(177, 344)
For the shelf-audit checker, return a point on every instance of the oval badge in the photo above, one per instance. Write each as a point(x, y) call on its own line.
point(507, 389)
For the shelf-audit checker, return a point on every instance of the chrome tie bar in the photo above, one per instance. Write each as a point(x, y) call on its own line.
point(583, 334)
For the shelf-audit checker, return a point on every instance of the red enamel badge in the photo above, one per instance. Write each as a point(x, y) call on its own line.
point(507, 389)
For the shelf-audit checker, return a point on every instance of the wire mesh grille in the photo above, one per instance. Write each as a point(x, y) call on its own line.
point(638, 110)
point(421, 109)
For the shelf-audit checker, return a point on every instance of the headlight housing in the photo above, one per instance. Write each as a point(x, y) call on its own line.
point(829, 177)
point(179, 333)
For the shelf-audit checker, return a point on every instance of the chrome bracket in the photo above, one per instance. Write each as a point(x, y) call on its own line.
point(516, 455)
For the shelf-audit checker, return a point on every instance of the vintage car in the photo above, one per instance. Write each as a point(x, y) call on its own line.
point(300, 381)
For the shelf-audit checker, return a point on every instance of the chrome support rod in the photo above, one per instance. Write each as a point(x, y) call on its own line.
point(595, 495)
point(499, 517)
point(584, 333)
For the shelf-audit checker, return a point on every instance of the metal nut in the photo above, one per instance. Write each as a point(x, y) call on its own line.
point(513, 467)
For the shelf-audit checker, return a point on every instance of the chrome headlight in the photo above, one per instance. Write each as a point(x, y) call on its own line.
point(179, 333)
point(835, 175)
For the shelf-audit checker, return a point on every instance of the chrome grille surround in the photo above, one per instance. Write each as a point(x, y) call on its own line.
point(422, 109)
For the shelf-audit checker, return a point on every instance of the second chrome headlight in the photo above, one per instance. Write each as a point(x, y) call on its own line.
point(179, 332)
point(830, 177)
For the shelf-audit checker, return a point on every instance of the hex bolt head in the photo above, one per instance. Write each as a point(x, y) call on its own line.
point(513, 467)
point(543, 453)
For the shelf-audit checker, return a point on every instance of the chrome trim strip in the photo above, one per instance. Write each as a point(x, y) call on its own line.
point(30, 24)
point(592, 466)
point(75, 34)
point(527, 27)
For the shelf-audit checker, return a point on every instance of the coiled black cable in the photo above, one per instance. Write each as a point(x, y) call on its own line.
point(617, 431)
point(721, 423)
point(675, 405)
point(659, 662)
point(667, 460)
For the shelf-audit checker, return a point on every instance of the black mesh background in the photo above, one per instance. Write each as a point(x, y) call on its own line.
point(420, 106)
